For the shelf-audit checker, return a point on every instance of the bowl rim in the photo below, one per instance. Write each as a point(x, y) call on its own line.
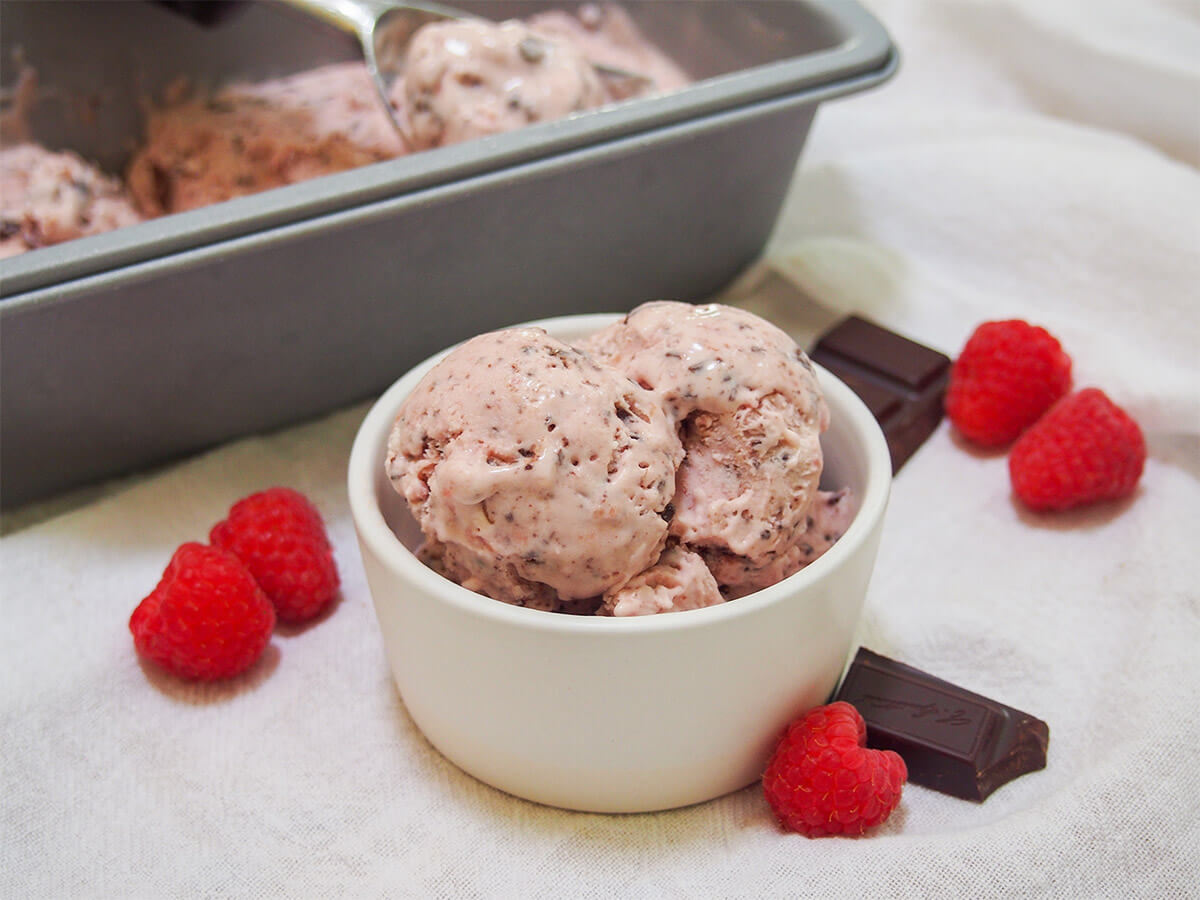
point(377, 536)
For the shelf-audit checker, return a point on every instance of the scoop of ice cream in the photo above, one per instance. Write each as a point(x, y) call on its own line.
point(606, 34)
point(828, 518)
point(493, 578)
point(202, 148)
point(679, 580)
point(466, 79)
point(534, 469)
point(749, 412)
point(48, 197)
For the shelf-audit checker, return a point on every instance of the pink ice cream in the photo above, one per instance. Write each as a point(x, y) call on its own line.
point(464, 79)
point(669, 462)
point(47, 198)
point(679, 580)
point(750, 415)
point(606, 34)
point(827, 520)
point(467, 79)
point(204, 148)
point(537, 476)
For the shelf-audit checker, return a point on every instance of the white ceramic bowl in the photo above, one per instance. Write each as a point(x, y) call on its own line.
point(604, 714)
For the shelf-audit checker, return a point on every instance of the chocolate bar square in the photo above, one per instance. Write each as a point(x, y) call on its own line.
point(903, 383)
point(952, 740)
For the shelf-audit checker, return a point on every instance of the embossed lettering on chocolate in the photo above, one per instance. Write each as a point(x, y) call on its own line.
point(952, 740)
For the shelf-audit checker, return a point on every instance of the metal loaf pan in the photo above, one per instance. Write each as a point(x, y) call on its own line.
point(144, 344)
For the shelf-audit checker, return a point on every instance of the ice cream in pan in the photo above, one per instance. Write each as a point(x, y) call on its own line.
point(668, 462)
point(48, 197)
point(202, 148)
point(466, 79)
point(462, 79)
point(446, 75)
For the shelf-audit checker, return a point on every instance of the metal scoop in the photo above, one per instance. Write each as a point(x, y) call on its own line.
point(384, 28)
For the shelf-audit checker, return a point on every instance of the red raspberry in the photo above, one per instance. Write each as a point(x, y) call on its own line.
point(1006, 376)
point(1085, 449)
point(280, 537)
point(823, 780)
point(206, 619)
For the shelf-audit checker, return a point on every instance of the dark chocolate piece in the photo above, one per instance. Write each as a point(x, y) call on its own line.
point(902, 382)
point(951, 739)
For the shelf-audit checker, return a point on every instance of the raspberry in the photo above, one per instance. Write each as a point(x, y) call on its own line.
point(1006, 376)
point(1084, 450)
point(206, 618)
point(280, 537)
point(823, 780)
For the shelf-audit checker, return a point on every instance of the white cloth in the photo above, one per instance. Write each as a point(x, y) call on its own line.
point(1033, 159)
